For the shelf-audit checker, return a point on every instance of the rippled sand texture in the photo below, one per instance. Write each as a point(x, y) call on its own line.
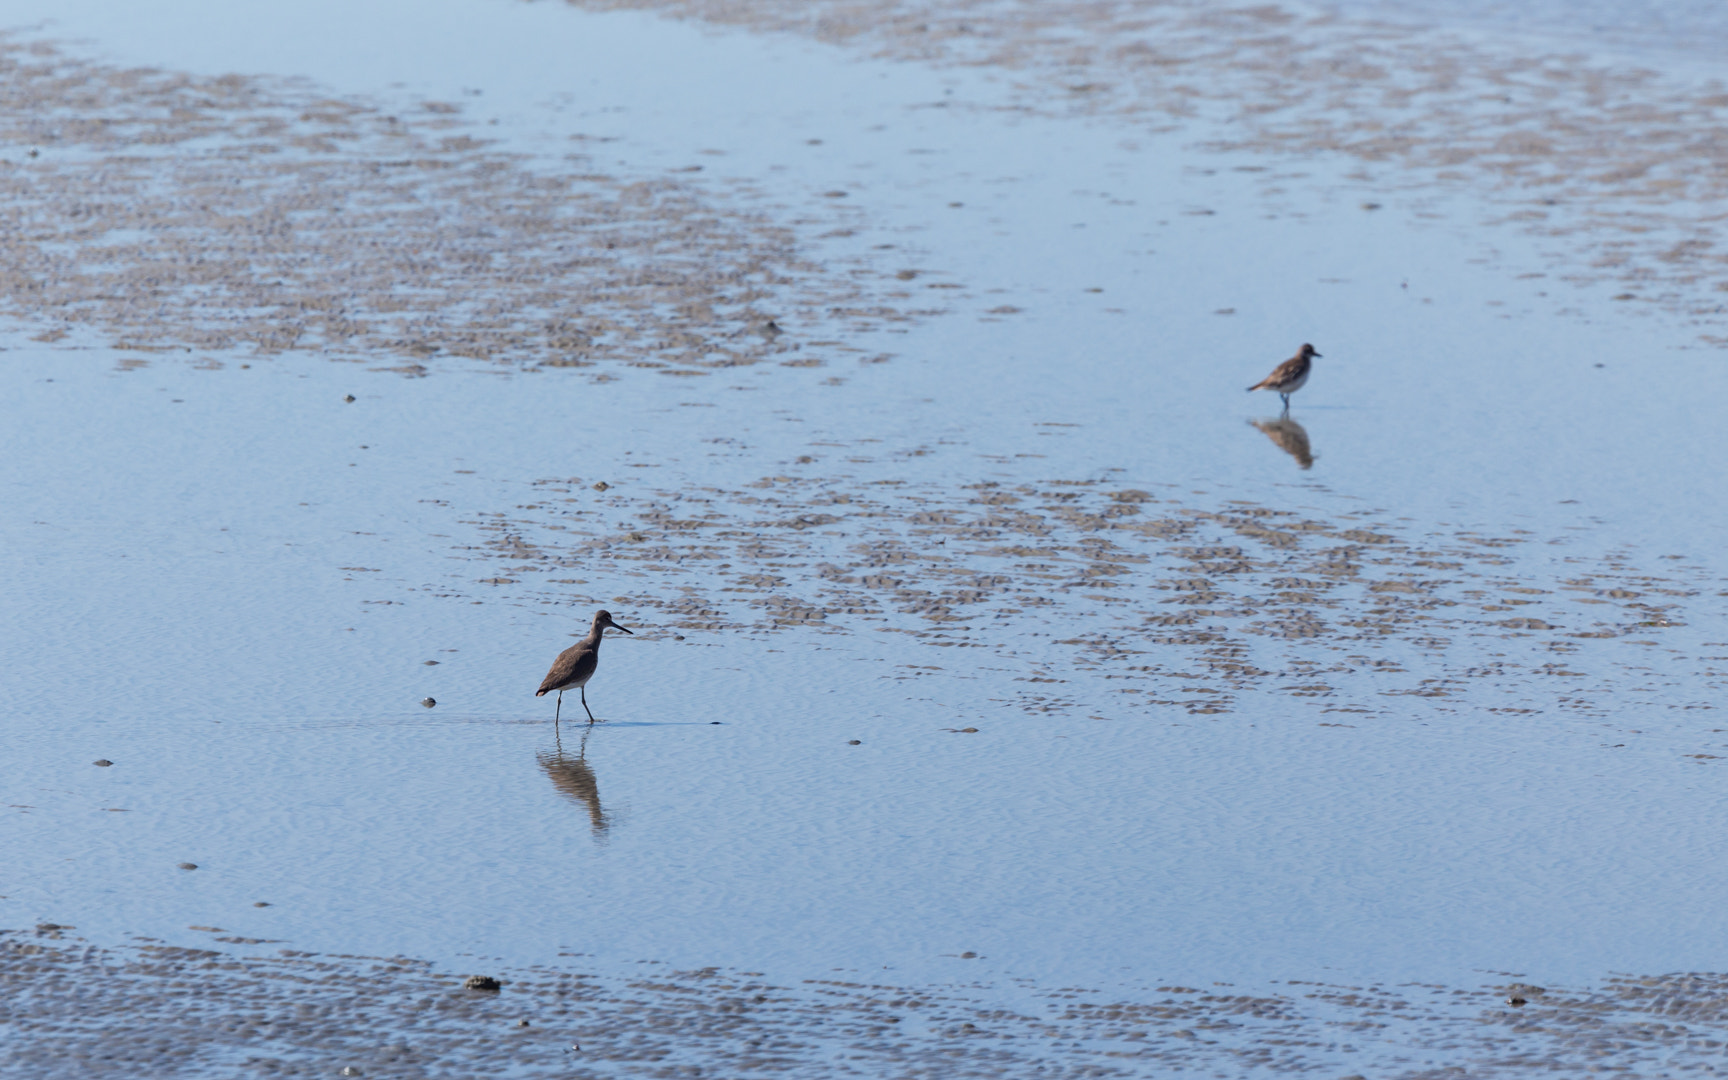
point(1351, 611)
point(157, 1010)
point(164, 210)
point(1621, 171)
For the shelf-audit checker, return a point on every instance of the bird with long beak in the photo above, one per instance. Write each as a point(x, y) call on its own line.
point(1290, 376)
point(575, 666)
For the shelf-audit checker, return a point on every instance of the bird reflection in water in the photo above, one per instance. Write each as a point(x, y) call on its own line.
point(1291, 437)
point(574, 777)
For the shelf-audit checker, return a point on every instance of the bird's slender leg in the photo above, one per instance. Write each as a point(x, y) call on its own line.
point(556, 712)
point(1286, 398)
point(590, 712)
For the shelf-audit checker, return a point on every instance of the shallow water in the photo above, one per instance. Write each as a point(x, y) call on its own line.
point(1415, 684)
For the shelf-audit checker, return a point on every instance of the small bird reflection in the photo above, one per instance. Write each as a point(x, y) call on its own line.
point(575, 778)
point(1291, 437)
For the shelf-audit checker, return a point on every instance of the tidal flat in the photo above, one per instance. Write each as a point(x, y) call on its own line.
point(1010, 693)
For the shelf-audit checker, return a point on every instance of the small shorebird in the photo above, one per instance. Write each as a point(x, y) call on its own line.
point(575, 666)
point(1289, 377)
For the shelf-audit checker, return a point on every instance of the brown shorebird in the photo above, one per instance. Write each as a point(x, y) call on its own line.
point(1289, 377)
point(575, 666)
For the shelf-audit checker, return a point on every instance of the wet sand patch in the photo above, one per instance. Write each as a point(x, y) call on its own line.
point(1617, 168)
point(1169, 603)
point(159, 1009)
point(164, 212)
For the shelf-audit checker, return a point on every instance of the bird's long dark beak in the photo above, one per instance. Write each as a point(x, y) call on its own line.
point(615, 626)
point(1321, 355)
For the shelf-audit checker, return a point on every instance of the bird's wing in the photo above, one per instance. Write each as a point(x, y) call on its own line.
point(1284, 372)
point(572, 664)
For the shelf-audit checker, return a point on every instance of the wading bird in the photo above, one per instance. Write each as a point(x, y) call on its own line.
point(1289, 377)
point(575, 666)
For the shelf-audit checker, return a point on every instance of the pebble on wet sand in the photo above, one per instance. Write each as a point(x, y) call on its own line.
point(188, 866)
point(350, 400)
point(854, 742)
point(428, 702)
point(102, 761)
point(481, 982)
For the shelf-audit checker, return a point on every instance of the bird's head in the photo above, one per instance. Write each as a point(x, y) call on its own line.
point(603, 619)
point(1308, 352)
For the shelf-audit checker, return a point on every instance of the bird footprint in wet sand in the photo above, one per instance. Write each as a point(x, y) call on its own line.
point(575, 666)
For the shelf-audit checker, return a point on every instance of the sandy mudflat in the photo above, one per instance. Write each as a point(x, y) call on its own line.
point(150, 1009)
point(1176, 605)
point(164, 211)
point(1010, 695)
point(1616, 166)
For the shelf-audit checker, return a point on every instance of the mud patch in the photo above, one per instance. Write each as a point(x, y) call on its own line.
point(1139, 596)
point(162, 211)
point(1620, 169)
point(158, 1009)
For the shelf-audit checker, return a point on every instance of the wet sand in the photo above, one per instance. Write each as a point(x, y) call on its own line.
point(179, 226)
point(1616, 167)
point(156, 211)
point(187, 1011)
point(1178, 605)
